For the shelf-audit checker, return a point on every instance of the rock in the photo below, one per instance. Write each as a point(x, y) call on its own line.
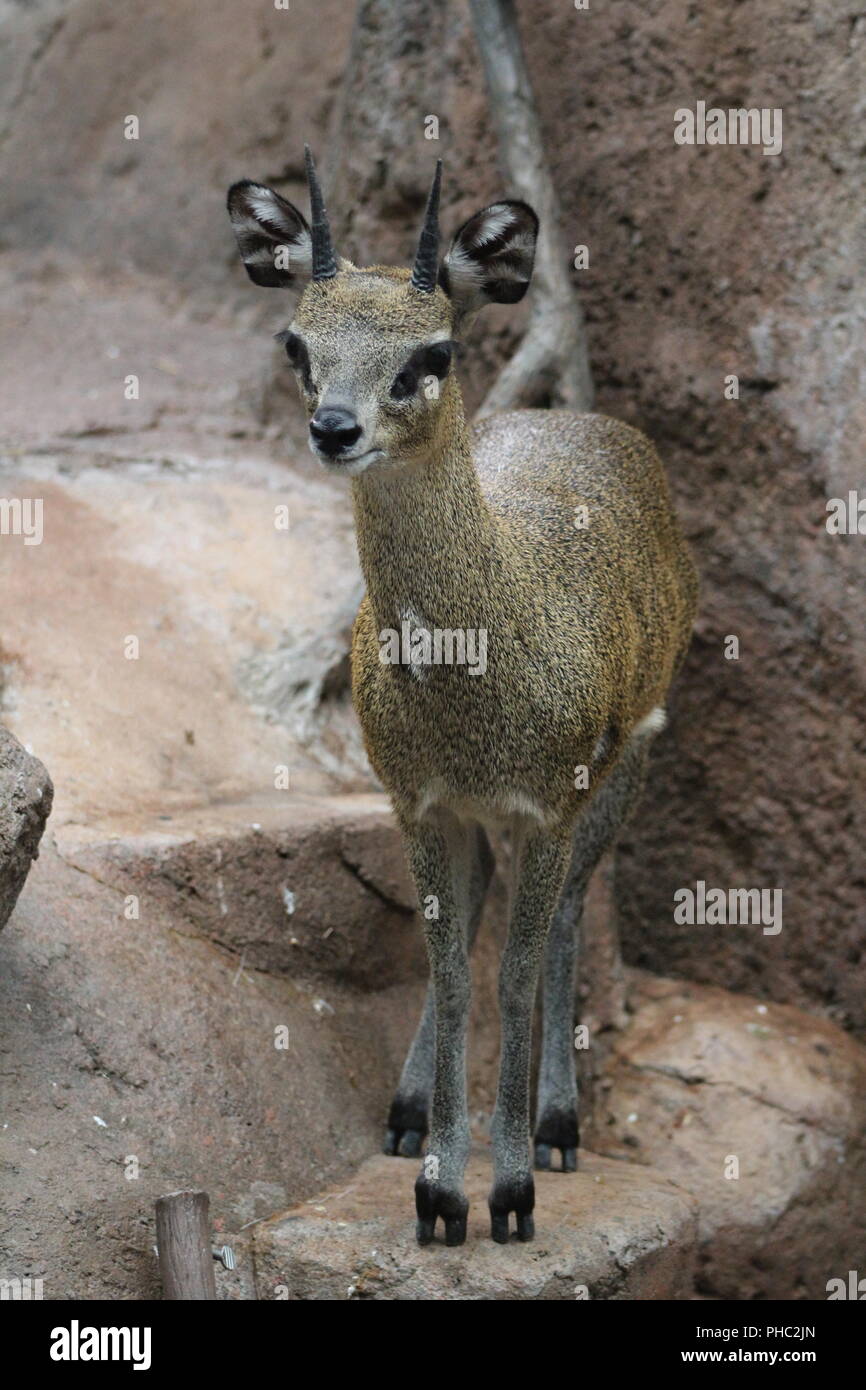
point(139, 1057)
point(26, 793)
point(703, 1084)
point(299, 886)
point(610, 1231)
point(162, 715)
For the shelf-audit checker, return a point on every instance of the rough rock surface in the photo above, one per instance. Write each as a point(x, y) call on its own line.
point(26, 793)
point(760, 1110)
point(139, 1057)
point(610, 1231)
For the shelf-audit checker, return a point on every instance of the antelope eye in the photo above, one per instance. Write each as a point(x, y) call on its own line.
point(294, 349)
point(426, 361)
point(404, 384)
point(437, 359)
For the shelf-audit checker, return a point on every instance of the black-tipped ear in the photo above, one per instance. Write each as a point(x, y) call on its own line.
point(490, 259)
point(273, 237)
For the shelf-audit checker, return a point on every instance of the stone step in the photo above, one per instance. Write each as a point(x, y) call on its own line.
point(613, 1230)
point(297, 885)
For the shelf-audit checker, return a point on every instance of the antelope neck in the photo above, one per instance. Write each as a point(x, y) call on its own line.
point(428, 544)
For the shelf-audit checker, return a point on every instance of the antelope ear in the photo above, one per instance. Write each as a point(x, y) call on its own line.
point(490, 259)
point(273, 237)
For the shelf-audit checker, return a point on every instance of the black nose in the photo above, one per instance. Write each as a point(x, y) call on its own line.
point(334, 429)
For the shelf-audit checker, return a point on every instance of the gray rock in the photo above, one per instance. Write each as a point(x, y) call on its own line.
point(26, 793)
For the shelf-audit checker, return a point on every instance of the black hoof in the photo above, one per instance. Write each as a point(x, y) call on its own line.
point(432, 1201)
point(407, 1127)
point(543, 1154)
point(516, 1196)
point(557, 1130)
point(404, 1143)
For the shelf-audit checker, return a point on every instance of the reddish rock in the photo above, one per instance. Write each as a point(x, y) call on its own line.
point(760, 1110)
point(145, 1040)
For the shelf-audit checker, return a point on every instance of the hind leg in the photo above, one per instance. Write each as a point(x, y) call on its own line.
point(556, 1126)
point(410, 1108)
point(556, 1109)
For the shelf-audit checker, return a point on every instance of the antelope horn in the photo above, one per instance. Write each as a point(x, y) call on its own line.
point(426, 267)
point(324, 263)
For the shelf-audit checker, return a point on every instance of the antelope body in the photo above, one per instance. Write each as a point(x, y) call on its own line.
point(554, 535)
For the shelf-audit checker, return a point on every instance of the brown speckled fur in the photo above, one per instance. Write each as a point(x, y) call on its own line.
point(586, 627)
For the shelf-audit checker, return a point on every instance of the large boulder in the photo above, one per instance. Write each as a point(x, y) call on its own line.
point(760, 1111)
point(26, 793)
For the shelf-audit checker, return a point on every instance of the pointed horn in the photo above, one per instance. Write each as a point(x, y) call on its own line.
point(426, 268)
point(324, 264)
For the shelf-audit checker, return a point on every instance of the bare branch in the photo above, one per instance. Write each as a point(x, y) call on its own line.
point(552, 362)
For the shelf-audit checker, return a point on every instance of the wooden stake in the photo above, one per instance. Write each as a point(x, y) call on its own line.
point(183, 1239)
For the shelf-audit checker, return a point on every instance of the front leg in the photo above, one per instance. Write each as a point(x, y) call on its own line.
point(407, 1117)
point(440, 857)
point(541, 863)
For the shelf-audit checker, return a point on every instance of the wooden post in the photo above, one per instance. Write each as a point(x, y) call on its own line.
point(183, 1239)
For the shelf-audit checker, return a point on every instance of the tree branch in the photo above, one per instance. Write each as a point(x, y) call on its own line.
point(552, 362)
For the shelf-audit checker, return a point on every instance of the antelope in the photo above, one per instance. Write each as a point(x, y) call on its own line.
point(586, 626)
